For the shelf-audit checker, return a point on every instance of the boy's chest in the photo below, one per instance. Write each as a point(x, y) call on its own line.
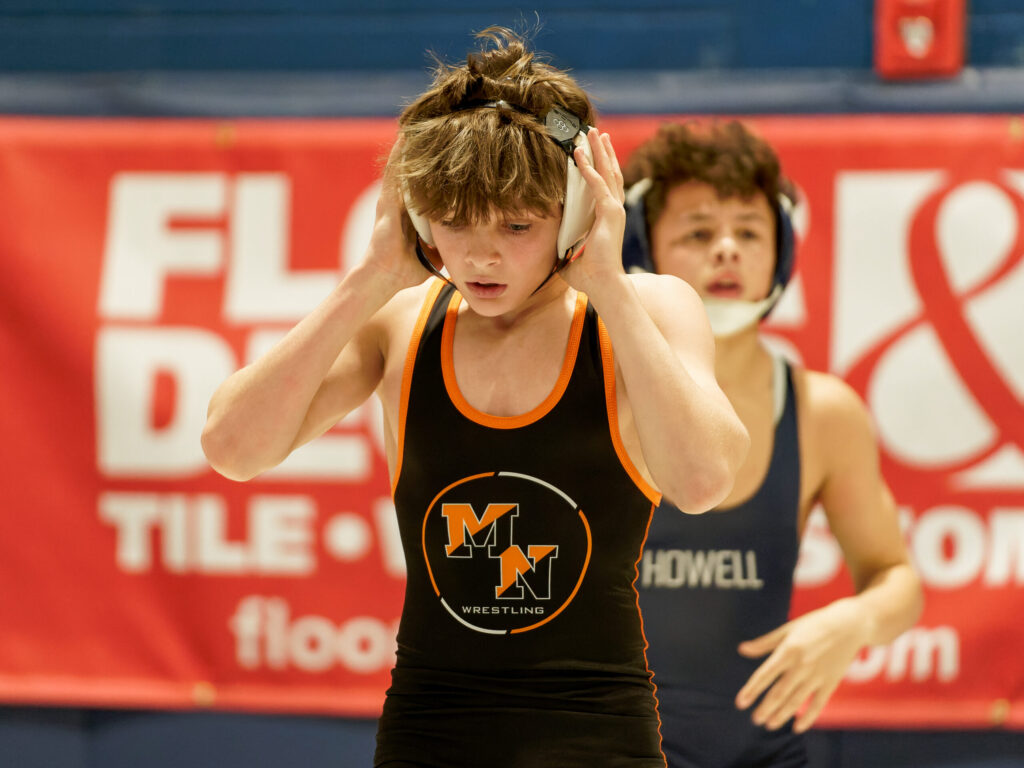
point(509, 378)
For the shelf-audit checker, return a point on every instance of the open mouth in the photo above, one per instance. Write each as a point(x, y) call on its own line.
point(485, 290)
point(725, 288)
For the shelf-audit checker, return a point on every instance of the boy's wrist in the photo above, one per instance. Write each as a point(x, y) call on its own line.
point(609, 291)
point(373, 282)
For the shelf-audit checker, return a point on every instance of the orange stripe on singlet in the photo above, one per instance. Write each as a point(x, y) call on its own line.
point(608, 359)
point(410, 362)
point(643, 634)
point(508, 422)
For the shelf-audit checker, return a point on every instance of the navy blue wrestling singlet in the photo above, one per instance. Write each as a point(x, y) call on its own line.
point(520, 643)
point(708, 582)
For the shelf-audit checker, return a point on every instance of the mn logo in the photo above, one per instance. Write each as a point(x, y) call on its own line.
point(492, 534)
point(505, 566)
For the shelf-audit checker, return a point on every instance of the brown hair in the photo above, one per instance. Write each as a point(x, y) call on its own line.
point(464, 155)
point(728, 156)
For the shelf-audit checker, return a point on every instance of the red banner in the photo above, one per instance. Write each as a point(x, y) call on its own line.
point(145, 261)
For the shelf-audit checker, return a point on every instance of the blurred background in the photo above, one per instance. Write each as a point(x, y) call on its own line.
point(181, 180)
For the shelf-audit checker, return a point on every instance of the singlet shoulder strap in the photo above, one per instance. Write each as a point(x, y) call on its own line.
point(434, 302)
point(780, 383)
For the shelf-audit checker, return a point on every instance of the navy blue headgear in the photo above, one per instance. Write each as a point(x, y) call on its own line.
point(636, 243)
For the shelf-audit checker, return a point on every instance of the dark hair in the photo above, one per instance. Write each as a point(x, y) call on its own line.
point(475, 141)
point(728, 156)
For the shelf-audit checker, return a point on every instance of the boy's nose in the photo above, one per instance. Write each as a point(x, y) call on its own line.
point(725, 249)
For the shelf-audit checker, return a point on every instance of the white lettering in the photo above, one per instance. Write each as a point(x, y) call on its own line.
point(873, 214)
point(918, 655)
point(310, 643)
point(723, 569)
point(343, 453)
point(820, 556)
point(1006, 549)
point(245, 625)
point(266, 635)
point(133, 515)
point(259, 286)
point(193, 530)
point(215, 553)
point(752, 581)
point(282, 534)
point(142, 249)
point(128, 362)
point(949, 546)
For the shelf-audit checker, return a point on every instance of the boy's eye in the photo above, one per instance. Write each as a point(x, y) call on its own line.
point(517, 227)
point(749, 234)
point(699, 236)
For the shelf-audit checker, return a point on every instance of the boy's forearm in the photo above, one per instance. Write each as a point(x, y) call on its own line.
point(692, 441)
point(255, 415)
point(890, 603)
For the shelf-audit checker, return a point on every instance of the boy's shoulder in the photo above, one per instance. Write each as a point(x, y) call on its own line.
point(394, 323)
point(832, 410)
point(410, 301)
point(669, 299)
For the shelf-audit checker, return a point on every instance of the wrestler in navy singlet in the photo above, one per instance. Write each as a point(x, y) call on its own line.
point(520, 642)
point(707, 582)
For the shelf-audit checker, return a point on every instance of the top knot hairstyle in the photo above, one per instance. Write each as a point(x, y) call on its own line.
point(461, 161)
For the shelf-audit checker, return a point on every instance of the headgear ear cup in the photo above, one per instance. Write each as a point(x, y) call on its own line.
point(567, 131)
point(578, 208)
point(785, 248)
point(421, 223)
point(425, 250)
point(636, 248)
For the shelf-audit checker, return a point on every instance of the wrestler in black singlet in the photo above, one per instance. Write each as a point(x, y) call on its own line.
point(706, 583)
point(520, 642)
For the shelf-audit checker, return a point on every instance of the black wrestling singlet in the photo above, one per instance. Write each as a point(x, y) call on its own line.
point(520, 643)
point(706, 583)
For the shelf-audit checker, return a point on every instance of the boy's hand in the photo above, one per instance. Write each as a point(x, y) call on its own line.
point(392, 249)
point(602, 258)
point(807, 660)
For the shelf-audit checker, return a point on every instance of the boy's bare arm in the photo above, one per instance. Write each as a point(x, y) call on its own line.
point(807, 657)
point(692, 440)
point(328, 364)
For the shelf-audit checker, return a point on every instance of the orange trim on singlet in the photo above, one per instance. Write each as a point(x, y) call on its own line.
point(426, 516)
point(508, 422)
point(643, 633)
point(608, 358)
point(583, 572)
point(410, 362)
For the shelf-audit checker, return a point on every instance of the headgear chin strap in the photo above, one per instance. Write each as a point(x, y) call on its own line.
point(727, 316)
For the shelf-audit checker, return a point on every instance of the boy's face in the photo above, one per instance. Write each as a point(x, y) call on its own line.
point(498, 263)
point(724, 248)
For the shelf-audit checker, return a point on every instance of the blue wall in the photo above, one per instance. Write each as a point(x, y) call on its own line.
point(117, 35)
point(228, 35)
point(333, 58)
